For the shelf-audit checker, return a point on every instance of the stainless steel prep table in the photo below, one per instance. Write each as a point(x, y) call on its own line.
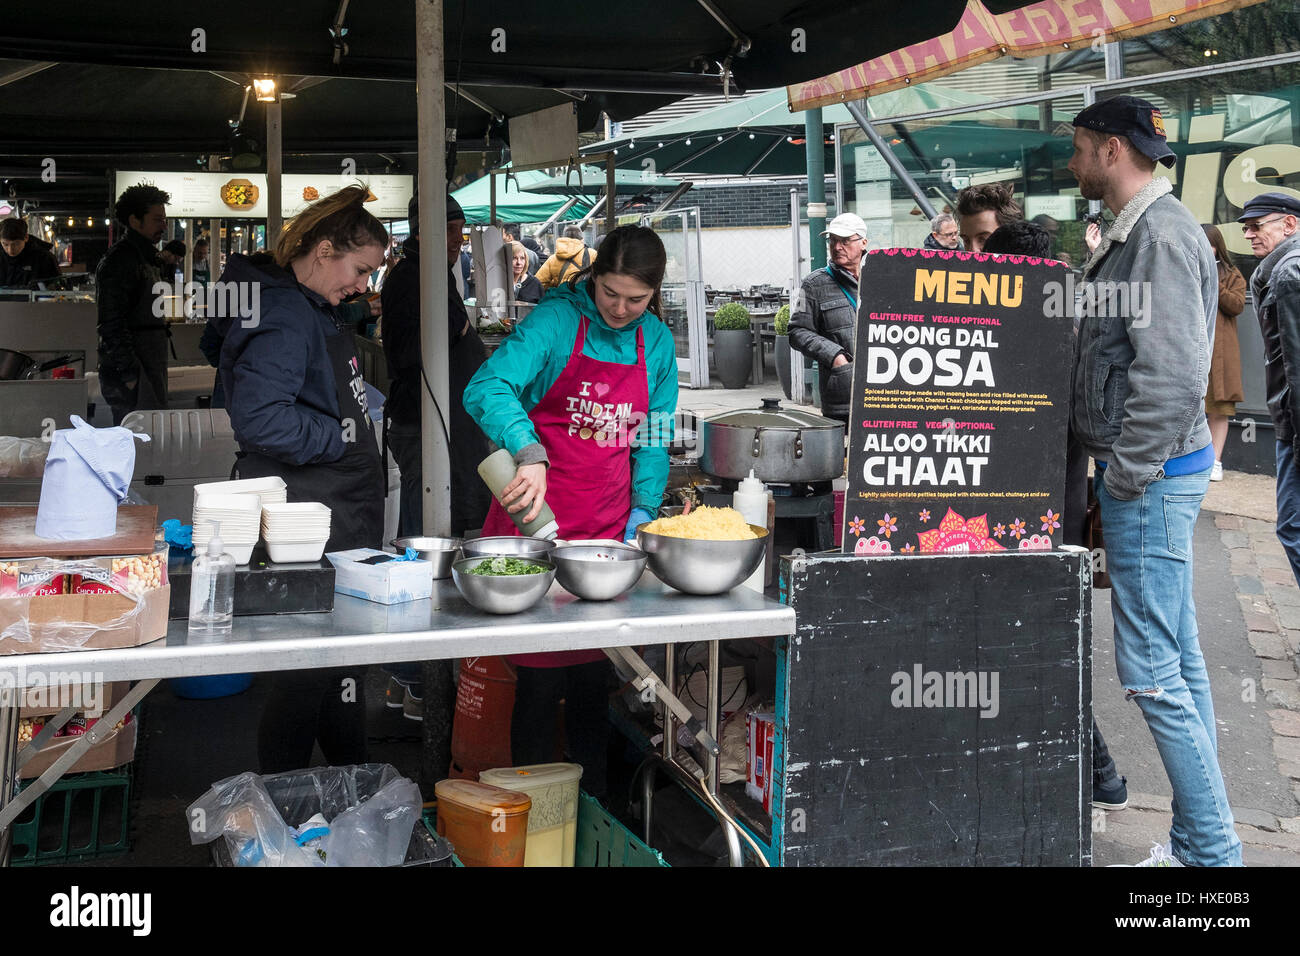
point(362, 632)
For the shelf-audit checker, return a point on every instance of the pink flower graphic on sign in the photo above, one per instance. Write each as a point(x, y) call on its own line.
point(1017, 529)
point(999, 530)
point(1051, 521)
point(872, 545)
point(888, 525)
point(925, 514)
point(856, 526)
point(1037, 542)
point(908, 548)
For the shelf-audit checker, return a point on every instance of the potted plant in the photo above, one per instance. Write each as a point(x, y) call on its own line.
point(781, 325)
point(733, 345)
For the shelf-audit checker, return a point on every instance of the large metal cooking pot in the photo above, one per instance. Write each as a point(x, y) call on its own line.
point(779, 444)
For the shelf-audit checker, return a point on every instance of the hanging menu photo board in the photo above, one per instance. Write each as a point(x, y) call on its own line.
point(961, 394)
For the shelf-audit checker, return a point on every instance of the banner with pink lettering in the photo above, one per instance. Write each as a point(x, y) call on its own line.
point(1051, 26)
point(960, 403)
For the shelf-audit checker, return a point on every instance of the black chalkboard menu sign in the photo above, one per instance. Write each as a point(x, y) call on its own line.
point(961, 396)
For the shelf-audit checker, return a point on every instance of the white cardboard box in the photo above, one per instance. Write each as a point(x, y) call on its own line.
point(388, 582)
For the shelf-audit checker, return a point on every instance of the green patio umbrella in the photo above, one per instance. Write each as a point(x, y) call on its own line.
point(758, 135)
point(516, 200)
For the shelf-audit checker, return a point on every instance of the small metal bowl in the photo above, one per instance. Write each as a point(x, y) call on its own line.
point(699, 566)
point(598, 572)
point(501, 593)
point(440, 552)
point(512, 546)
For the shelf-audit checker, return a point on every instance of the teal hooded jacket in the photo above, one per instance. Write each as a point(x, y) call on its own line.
point(531, 358)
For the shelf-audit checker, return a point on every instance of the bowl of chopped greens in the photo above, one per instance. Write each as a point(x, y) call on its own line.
point(503, 583)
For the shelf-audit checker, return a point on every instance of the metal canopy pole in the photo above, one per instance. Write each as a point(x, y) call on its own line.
point(611, 190)
point(431, 111)
point(860, 115)
point(274, 164)
point(815, 154)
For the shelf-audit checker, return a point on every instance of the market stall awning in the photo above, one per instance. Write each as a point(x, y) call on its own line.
point(516, 202)
point(581, 46)
point(590, 181)
point(986, 32)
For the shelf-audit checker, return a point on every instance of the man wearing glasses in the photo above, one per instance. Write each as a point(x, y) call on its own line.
point(1269, 222)
point(944, 233)
point(825, 309)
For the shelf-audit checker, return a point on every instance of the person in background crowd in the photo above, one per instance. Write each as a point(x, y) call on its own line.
point(201, 271)
point(1139, 391)
point(1109, 789)
point(571, 253)
point(511, 233)
point(171, 260)
point(1225, 364)
point(982, 209)
point(299, 411)
point(599, 333)
point(943, 232)
point(1271, 222)
point(24, 259)
point(824, 314)
point(132, 340)
point(527, 288)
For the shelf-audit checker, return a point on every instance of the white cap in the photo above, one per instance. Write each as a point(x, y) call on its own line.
point(845, 225)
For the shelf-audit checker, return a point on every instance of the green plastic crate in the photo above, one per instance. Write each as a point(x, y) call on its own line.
point(604, 841)
point(81, 817)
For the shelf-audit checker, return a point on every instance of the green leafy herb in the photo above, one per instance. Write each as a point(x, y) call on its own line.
point(504, 565)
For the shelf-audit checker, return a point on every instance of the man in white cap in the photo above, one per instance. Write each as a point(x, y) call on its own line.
point(824, 313)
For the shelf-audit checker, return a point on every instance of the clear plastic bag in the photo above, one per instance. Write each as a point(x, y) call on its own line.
point(22, 457)
point(371, 810)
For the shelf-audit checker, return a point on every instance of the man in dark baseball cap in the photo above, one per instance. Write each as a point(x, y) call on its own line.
point(1136, 120)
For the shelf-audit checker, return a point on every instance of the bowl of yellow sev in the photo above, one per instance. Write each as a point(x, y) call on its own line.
point(705, 551)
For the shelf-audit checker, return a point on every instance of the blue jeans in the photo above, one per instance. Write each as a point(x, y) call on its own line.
point(1288, 505)
point(1158, 656)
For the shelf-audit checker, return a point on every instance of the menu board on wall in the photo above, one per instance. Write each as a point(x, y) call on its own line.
point(961, 392)
point(205, 195)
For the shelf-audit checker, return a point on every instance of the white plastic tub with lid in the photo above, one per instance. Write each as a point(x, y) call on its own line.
point(553, 820)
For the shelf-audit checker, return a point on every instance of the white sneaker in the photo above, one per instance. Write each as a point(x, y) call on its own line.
point(1216, 473)
point(1161, 855)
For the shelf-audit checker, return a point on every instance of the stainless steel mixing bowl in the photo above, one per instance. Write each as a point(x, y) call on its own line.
point(510, 545)
point(598, 572)
point(440, 552)
point(697, 566)
point(501, 593)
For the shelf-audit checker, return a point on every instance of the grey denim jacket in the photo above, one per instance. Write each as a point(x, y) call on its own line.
point(1142, 356)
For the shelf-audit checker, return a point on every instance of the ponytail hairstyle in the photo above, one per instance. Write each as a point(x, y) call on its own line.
point(634, 251)
point(341, 218)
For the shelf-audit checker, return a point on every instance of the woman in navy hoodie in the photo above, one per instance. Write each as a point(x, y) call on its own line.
point(297, 403)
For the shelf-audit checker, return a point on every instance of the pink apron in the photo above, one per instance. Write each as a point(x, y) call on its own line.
point(589, 483)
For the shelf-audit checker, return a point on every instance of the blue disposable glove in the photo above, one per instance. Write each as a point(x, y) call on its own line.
point(637, 517)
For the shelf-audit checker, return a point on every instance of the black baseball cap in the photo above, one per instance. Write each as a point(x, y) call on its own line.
point(1266, 203)
point(454, 211)
point(1135, 118)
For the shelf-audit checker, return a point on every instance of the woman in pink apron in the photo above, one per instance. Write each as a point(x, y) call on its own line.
point(590, 368)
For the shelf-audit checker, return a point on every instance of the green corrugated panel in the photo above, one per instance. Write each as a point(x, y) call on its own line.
point(604, 841)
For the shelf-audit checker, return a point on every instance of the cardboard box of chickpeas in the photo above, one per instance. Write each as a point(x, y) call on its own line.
point(49, 605)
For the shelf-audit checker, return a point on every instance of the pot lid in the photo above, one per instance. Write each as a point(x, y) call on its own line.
point(772, 415)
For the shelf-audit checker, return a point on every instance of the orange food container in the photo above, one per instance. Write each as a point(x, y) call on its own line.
point(487, 825)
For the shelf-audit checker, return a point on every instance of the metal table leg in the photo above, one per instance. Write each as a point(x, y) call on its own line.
point(9, 712)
